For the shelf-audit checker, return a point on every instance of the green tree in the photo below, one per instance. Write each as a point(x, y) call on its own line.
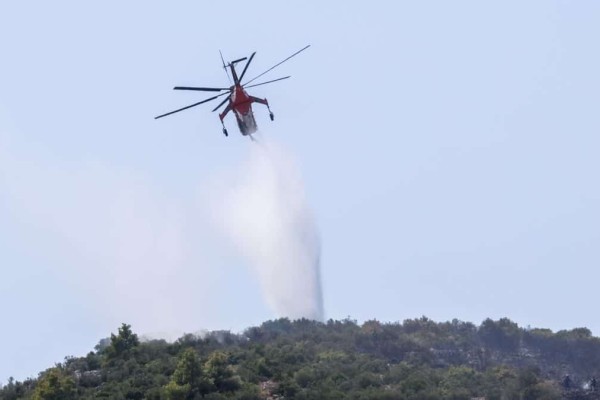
point(175, 391)
point(542, 391)
point(188, 380)
point(123, 342)
point(54, 385)
point(218, 370)
point(189, 369)
point(459, 383)
point(503, 334)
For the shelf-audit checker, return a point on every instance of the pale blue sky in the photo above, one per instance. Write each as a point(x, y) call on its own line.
point(449, 152)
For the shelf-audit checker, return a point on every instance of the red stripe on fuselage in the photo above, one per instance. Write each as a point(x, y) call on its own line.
point(240, 101)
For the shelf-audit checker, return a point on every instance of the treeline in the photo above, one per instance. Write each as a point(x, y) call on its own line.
point(303, 359)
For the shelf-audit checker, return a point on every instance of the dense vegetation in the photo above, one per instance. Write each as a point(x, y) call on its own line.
point(282, 359)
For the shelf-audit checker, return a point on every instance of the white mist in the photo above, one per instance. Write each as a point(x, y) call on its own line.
point(266, 215)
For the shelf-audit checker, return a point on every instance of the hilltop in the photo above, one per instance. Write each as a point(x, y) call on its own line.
point(303, 359)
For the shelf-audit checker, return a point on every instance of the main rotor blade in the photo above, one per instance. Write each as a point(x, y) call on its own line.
point(221, 103)
point(246, 67)
point(264, 83)
point(190, 106)
point(225, 67)
point(278, 64)
point(237, 61)
point(201, 89)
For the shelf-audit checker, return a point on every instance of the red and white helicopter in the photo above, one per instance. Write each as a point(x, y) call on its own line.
point(239, 101)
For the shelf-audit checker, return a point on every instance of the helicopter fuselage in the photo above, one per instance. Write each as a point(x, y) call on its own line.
point(241, 104)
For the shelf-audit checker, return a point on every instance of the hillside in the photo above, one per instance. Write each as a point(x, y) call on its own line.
point(282, 359)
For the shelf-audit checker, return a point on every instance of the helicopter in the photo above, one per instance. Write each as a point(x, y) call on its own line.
point(239, 101)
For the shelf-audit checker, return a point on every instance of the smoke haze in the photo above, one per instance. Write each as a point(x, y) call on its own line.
point(120, 247)
point(266, 215)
